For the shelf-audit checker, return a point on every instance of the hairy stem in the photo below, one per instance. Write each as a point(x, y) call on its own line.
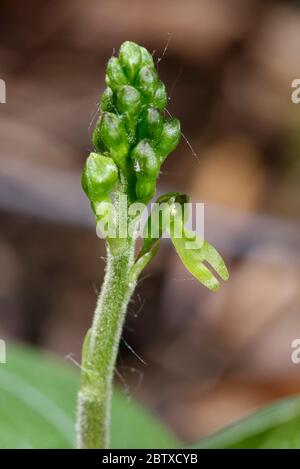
point(100, 350)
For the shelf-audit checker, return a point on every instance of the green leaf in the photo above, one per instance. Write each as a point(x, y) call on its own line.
point(37, 407)
point(37, 410)
point(275, 426)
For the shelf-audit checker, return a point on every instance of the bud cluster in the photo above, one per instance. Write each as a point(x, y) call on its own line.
point(131, 138)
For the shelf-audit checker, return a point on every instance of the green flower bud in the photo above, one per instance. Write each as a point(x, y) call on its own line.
point(115, 76)
point(113, 134)
point(147, 81)
point(97, 140)
point(130, 58)
point(169, 138)
point(103, 210)
point(145, 160)
point(129, 100)
point(160, 98)
point(147, 58)
point(145, 188)
point(132, 127)
point(99, 177)
point(151, 124)
point(107, 100)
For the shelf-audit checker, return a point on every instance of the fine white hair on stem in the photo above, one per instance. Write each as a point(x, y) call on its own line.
point(126, 387)
point(185, 138)
point(95, 289)
point(141, 306)
point(164, 51)
point(173, 86)
point(137, 371)
point(132, 351)
point(94, 115)
point(70, 357)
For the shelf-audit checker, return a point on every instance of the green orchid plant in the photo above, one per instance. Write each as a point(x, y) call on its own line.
point(132, 139)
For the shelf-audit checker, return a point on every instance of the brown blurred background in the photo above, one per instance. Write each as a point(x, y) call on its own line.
point(228, 65)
